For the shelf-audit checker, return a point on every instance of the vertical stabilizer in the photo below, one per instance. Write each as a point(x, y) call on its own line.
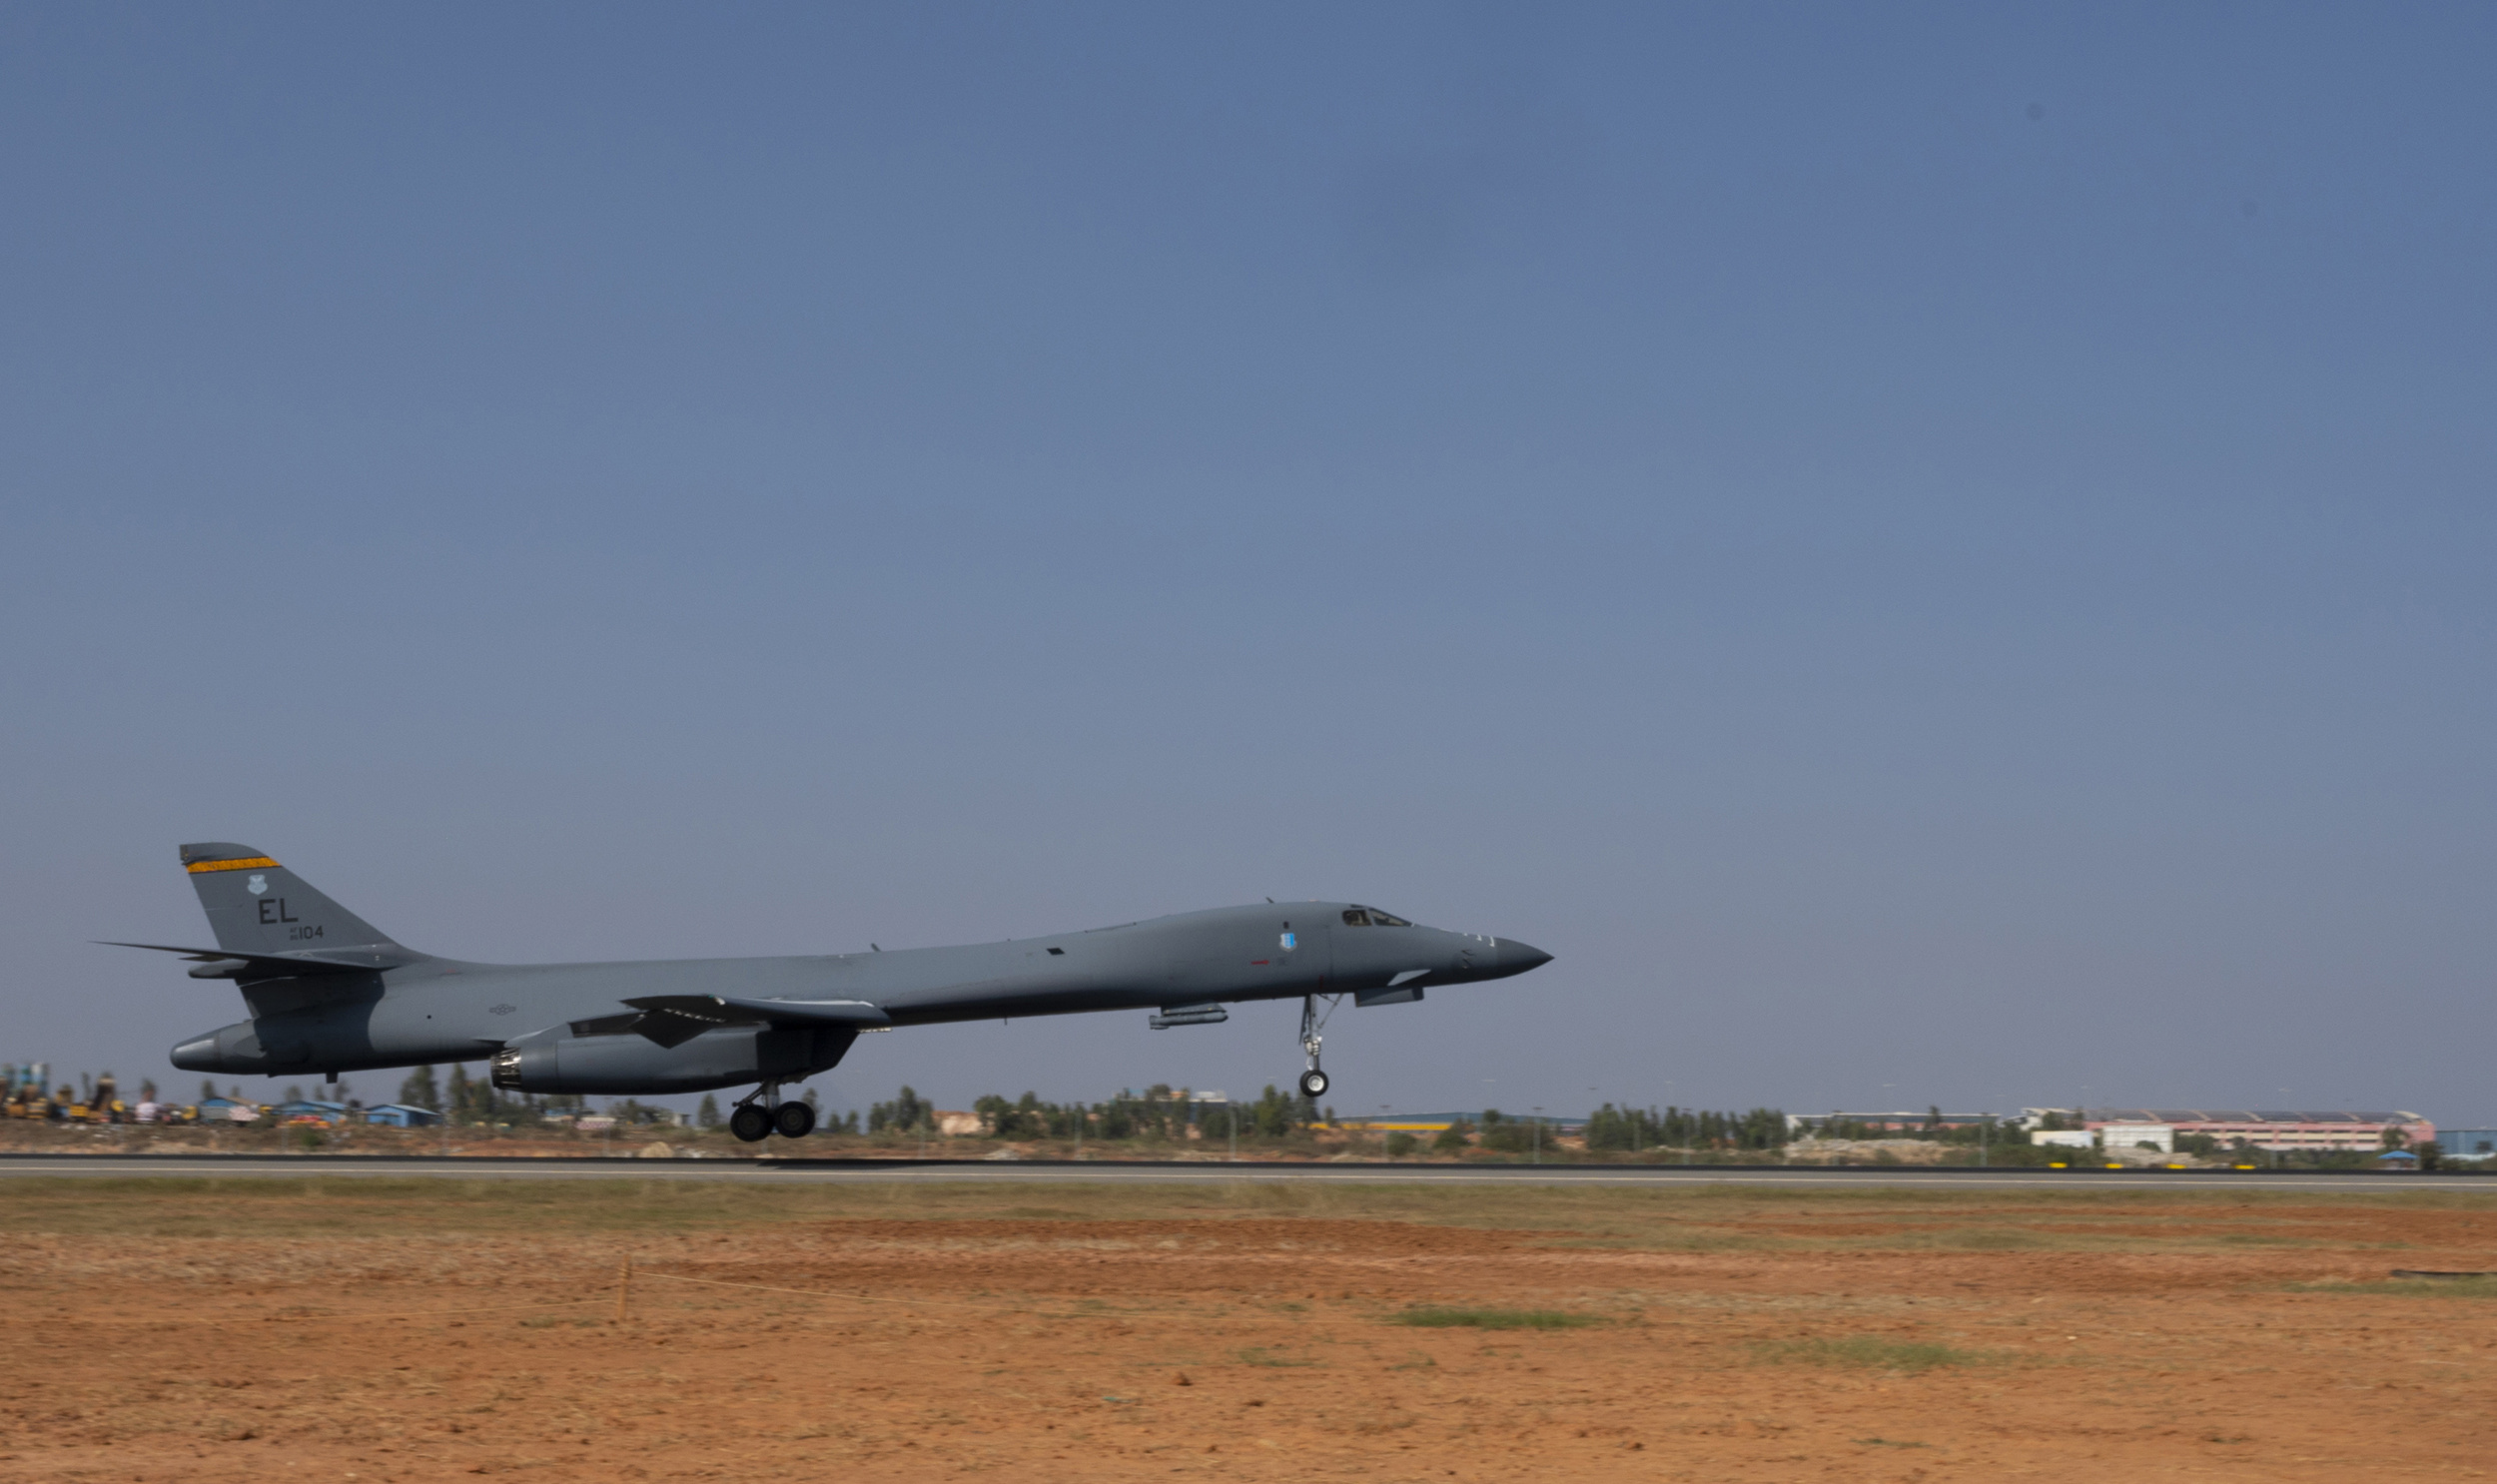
point(256, 906)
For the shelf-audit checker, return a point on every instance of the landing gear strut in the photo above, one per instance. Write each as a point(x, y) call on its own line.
point(1314, 1081)
point(761, 1113)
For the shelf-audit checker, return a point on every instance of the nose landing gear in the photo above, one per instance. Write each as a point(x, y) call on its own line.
point(761, 1113)
point(1313, 1083)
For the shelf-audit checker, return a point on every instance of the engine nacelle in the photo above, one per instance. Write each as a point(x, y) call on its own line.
point(274, 1045)
point(556, 1060)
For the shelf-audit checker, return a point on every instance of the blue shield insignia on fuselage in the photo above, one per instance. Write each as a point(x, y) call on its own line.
point(1290, 942)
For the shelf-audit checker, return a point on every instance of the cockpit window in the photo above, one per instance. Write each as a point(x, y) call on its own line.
point(1371, 917)
point(1357, 918)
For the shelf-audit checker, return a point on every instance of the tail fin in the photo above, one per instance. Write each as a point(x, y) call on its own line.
point(256, 906)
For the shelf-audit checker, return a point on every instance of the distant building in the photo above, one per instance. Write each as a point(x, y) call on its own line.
point(1906, 1121)
point(2160, 1137)
point(2263, 1129)
point(1422, 1122)
point(227, 1109)
point(401, 1115)
point(2064, 1138)
point(2469, 1144)
point(310, 1110)
point(1432, 1122)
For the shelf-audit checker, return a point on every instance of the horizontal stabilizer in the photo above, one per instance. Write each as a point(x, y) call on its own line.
point(673, 1020)
point(218, 963)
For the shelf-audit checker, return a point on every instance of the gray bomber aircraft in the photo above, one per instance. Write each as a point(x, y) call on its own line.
point(330, 991)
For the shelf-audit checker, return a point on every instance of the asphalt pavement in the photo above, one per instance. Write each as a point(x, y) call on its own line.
point(889, 1172)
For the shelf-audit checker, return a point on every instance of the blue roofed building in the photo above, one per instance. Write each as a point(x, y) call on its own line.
point(227, 1109)
point(401, 1115)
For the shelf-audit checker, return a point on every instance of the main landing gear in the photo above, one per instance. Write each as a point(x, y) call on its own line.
point(1313, 1083)
point(760, 1115)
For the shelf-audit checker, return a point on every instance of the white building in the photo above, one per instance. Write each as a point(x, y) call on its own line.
point(2160, 1137)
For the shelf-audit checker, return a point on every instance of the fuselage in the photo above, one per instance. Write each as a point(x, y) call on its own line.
point(432, 1009)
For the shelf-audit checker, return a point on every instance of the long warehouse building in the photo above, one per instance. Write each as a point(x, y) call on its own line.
point(2264, 1129)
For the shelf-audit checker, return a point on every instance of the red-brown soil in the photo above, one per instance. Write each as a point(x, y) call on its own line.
point(394, 1335)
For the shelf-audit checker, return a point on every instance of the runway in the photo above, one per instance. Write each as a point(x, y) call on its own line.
point(892, 1171)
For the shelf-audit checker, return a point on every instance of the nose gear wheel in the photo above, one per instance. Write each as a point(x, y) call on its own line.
point(1314, 1081)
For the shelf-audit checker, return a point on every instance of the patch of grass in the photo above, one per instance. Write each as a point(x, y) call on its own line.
point(1677, 1236)
point(1996, 1239)
point(1261, 1355)
point(1866, 1352)
point(1448, 1318)
point(1681, 1217)
point(2410, 1287)
point(1890, 1443)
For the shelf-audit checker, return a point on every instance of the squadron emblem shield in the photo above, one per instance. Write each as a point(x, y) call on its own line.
point(1290, 942)
point(257, 884)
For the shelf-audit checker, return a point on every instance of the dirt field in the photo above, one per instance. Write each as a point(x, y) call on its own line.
point(209, 1330)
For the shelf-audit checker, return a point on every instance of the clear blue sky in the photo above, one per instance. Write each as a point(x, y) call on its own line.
point(1931, 554)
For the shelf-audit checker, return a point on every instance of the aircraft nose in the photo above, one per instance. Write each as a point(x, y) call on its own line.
point(1517, 958)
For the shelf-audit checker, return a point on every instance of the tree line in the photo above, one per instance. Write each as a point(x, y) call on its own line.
point(1685, 1129)
point(1160, 1113)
